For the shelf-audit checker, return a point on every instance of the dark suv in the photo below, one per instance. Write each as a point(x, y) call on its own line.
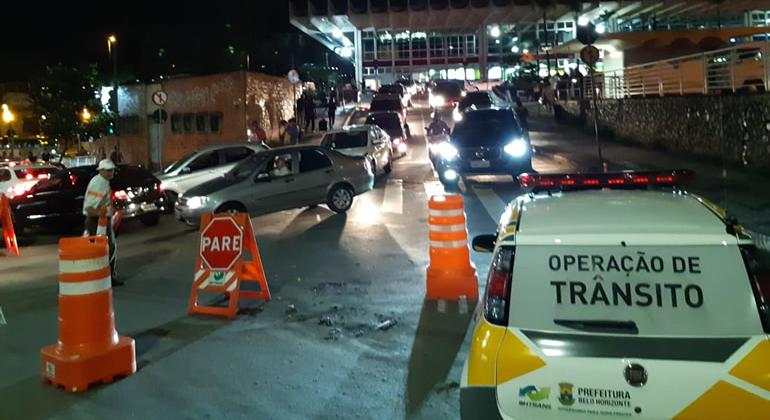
point(58, 201)
point(486, 142)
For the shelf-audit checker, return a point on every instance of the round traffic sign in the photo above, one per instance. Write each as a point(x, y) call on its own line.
point(159, 97)
point(589, 54)
point(293, 76)
point(221, 243)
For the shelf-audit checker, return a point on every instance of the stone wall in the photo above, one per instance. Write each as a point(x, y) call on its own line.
point(735, 126)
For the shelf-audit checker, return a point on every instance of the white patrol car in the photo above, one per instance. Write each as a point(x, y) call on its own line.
point(607, 300)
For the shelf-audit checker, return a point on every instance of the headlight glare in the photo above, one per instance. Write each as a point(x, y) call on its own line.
point(516, 148)
point(197, 202)
point(447, 151)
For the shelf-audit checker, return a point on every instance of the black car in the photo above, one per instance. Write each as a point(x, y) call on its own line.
point(58, 201)
point(486, 142)
point(479, 99)
point(391, 123)
point(445, 94)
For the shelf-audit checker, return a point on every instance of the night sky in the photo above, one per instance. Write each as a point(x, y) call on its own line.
point(194, 37)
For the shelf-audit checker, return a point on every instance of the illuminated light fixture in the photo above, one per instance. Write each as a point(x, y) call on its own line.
point(346, 52)
point(583, 21)
point(495, 31)
point(525, 51)
point(515, 49)
point(601, 28)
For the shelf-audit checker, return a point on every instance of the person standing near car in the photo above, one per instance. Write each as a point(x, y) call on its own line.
point(97, 203)
point(331, 110)
point(310, 114)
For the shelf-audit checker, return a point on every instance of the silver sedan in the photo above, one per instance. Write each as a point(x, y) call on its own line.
point(280, 179)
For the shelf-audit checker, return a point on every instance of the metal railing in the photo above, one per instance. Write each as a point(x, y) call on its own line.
point(742, 68)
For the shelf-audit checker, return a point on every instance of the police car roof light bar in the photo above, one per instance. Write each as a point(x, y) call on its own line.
point(602, 180)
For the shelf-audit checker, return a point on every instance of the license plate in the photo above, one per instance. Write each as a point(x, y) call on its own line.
point(479, 164)
point(148, 207)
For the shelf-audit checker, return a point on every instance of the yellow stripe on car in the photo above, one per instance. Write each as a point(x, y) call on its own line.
point(515, 359)
point(726, 401)
point(754, 367)
point(483, 353)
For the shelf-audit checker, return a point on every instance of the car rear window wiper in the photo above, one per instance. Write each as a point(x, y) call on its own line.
point(599, 325)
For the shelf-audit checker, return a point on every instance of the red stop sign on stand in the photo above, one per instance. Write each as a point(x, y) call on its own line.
point(221, 243)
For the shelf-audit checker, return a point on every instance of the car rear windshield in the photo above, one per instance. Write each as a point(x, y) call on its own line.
point(132, 175)
point(485, 128)
point(385, 105)
point(392, 89)
point(346, 140)
point(478, 99)
point(450, 90)
point(388, 122)
point(31, 174)
point(660, 290)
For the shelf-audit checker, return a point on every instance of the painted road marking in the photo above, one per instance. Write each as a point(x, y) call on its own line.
point(394, 197)
point(490, 200)
point(433, 188)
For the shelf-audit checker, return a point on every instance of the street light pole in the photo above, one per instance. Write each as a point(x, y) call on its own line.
point(111, 50)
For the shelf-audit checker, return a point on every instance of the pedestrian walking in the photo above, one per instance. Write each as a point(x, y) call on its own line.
point(331, 110)
point(97, 202)
point(292, 131)
point(300, 113)
point(310, 114)
point(116, 156)
point(257, 133)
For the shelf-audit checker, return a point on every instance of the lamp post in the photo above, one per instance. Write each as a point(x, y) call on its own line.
point(111, 50)
point(8, 118)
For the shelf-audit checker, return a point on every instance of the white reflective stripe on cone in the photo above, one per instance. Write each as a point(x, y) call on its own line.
point(83, 266)
point(84, 287)
point(447, 228)
point(455, 244)
point(446, 213)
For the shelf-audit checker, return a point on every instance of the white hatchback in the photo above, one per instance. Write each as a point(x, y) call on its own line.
point(363, 140)
point(17, 179)
point(204, 165)
point(608, 298)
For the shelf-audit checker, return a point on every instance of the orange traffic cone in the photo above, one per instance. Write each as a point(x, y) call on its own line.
point(6, 225)
point(451, 274)
point(89, 349)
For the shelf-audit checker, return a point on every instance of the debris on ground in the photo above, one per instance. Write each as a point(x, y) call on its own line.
point(326, 320)
point(252, 311)
point(290, 310)
point(387, 324)
point(2, 317)
point(447, 386)
point(334, 334)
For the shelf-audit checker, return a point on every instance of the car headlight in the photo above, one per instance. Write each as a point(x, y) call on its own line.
point(447, 151)
point(516, 148)
point(196, 202)
point(437, 101)
point(457, 116)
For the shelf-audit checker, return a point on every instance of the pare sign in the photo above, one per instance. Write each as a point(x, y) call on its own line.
point(221, 244)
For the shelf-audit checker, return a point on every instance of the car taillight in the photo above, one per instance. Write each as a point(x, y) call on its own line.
point(498, 290)
point(119, 195)
point(159, 186)
point(625, 179)
point(73, 179)
point(758, 270)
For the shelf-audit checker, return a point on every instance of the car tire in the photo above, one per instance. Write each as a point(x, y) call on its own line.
point(149, 219)
point(389, 167)
point(231, 207)
point(340, 198)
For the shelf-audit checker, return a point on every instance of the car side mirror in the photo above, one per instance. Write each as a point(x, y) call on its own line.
point(185, 170)
point(262, 177)
point(484, 243)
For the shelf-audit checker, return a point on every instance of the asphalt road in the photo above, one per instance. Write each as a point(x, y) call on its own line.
point(314, 351)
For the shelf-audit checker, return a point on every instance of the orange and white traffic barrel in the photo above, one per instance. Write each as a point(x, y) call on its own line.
point(451, 275)
point(89, 349)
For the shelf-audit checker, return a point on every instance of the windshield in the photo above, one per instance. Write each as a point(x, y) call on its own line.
point(450, 90)
point(661, 290)
point(485, 127)
point(388, 122)
point(385, 105)
point(479, 99)
point(345, 140)
point(176, 165)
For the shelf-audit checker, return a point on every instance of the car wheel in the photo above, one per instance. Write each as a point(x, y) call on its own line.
point(149, 219)
point(340, 198)
point(232, 208)
point(389, 167)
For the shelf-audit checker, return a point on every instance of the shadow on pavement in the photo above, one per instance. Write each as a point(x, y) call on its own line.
point(159, 342)
point(440, 334)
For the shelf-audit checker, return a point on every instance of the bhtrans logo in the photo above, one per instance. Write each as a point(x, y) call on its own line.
point(531, 396)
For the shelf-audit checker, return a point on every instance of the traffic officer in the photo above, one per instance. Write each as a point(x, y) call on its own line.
point(98, 203)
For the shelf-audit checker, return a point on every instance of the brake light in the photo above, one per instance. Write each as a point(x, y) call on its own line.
point(159, 186)
point(498, 290)
point(627, 179)
point(119, 195)
point(29, 177)
point(73, 179)
point(758, 271)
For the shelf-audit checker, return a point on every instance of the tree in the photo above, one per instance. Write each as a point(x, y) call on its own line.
point(59, 97)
